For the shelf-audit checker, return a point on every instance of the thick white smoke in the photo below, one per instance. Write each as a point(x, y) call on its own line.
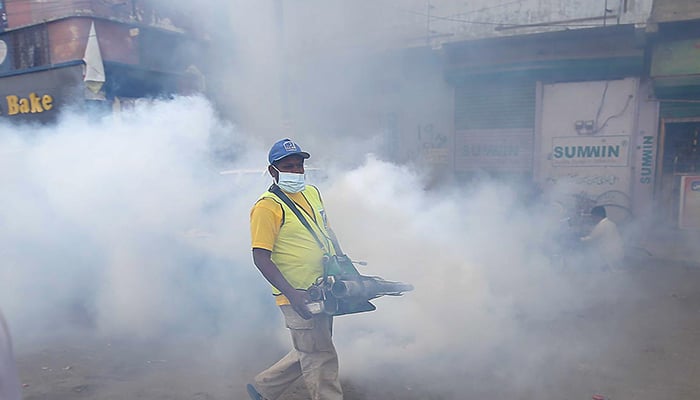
point(480, 262)
point(124, 227)
point(124, 222)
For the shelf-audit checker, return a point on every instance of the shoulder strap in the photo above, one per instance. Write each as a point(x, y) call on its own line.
point(331, 235)
point(279, 193)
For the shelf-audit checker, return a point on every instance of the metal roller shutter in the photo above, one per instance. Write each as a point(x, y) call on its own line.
point(494, 126)
point(495, 105)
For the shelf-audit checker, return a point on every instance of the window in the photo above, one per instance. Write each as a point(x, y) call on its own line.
point(3, 16)
point(31, 47)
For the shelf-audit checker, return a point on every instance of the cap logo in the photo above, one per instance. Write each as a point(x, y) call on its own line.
point(290, 146)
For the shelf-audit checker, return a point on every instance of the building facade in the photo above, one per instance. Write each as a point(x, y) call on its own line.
point(555, 108)
point(56, 54)
point(599, 99)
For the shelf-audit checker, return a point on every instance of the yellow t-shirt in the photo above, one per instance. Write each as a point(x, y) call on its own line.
point(266, 219)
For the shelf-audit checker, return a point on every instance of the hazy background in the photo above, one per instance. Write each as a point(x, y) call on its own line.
point(124, 227)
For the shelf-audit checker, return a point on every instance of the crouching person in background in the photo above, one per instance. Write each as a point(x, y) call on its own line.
point(605, 240)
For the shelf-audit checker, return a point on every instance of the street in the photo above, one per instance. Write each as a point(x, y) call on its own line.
point(641, 345)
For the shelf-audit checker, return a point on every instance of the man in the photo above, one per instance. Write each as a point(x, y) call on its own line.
point(9, 382)
point(290, 257)
point(605, 238)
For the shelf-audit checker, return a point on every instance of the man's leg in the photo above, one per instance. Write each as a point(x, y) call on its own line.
point(316, 354)
point(272, 382)
point(320, 371)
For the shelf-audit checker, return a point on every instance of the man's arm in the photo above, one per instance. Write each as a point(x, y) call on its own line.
point(297, 298)
point(595, 234)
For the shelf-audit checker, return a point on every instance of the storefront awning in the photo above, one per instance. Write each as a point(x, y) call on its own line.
point(674, 10)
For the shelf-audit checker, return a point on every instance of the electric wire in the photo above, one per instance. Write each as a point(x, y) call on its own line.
point(602, 102)
point(470, 11)
point(627, 104)
point(453, 18)
point(486, 8)
point(465, 21)
point(603, 97)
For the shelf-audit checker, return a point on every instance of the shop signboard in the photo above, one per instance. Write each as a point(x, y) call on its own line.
point(590, 151)
point(689, 211)
point(496, 150)
point(41, 95)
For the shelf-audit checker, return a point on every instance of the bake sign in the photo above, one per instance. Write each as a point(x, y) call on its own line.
point(31, 104)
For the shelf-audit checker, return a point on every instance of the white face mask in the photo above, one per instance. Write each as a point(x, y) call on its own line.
point(290, 182)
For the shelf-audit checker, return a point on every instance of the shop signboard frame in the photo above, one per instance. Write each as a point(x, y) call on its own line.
point(689, 208)
point(495, 150)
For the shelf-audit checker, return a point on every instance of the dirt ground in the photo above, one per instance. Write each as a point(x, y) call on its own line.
point(643, 347)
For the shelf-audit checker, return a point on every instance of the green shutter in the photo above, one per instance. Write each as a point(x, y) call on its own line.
point(495, 105)
point(676, 109)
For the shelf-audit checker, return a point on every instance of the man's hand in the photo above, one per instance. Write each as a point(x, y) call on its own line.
point(299, 300)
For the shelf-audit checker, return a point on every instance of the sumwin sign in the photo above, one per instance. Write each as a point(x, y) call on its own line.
point(590, 151)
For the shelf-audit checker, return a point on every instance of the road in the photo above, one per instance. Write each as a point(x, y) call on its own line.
point(641, 341)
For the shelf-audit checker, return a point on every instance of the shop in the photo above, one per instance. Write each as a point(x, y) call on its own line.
point(598, 141)
point(675, 69)
point(88, 61)
point(561, 110)
point(495, 128)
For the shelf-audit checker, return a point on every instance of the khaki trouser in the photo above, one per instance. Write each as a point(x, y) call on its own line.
point(313, 358)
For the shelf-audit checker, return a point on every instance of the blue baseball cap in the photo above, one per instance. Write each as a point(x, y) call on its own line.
point(284, 148)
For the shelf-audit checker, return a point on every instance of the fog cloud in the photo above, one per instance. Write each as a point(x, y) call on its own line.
point(124, 226)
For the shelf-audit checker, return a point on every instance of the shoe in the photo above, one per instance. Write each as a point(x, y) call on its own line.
point(253, 393)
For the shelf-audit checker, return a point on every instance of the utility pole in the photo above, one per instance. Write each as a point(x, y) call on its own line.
point(134, 11)
point(429, 8)
point(283, 69)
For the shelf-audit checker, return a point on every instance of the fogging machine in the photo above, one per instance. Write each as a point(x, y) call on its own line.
point(342, 289)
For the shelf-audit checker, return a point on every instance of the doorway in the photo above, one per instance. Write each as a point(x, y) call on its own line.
point(680, 156)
